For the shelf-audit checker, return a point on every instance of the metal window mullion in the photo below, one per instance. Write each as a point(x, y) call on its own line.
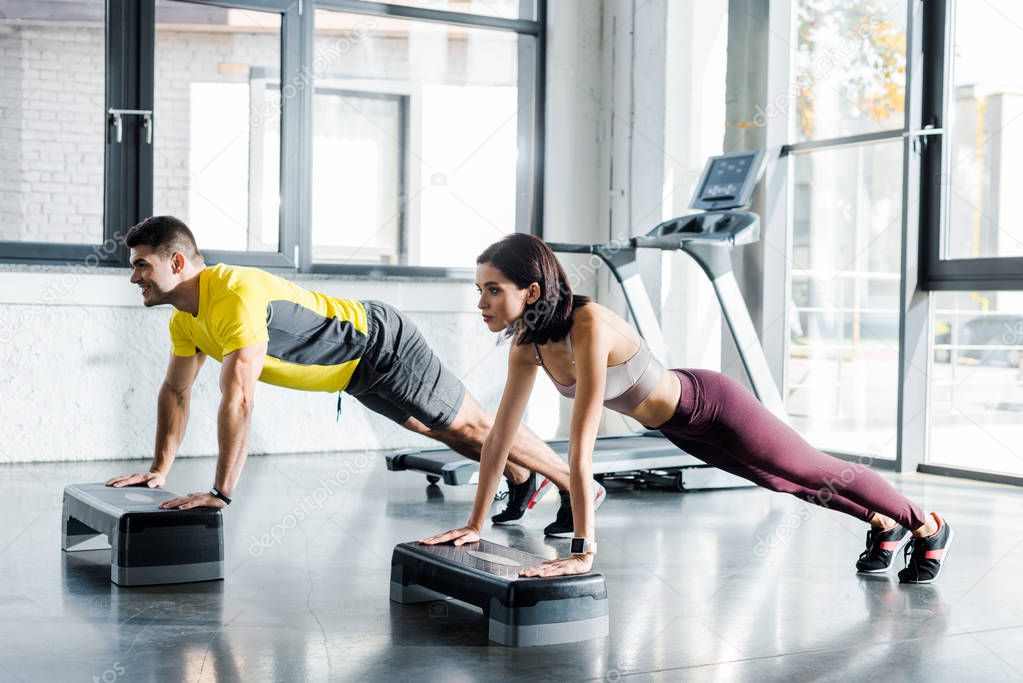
point(303, 193)
point(373, 270)
point(844, 141)
point(539, 119)
point(379, 9)
point(529, 166)
point(934, 194)
point(259, 259)
point(976, 475)
point(404, 118)
point(294, 131)
point(53, 253)
point(279, 6)
point(123, 176)
point(777, 193)
point(145, 84)
point(115, 24)
point(914, 303)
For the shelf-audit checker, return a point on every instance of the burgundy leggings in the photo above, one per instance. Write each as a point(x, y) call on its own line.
point(720, 422)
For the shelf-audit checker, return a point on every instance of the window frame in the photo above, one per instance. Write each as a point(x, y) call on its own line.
point(924, 210)
point(529, 173)
point(291, 122)
point(780, 205)
point(120, 160)
point(130, 42)
point(403, 101)
point(939, 274)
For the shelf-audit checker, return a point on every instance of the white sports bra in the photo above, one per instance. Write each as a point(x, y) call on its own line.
point(628, 383)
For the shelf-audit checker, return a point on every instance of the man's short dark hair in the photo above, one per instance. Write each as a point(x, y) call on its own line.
point(165, 235)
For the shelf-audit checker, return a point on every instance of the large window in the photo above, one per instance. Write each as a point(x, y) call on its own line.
point(977, 381)
point(431, 159)
point(847, 76)
point(971, 240)
point(974, 246)
point(52, 121)
point(849, 67)
point(359, 176)
point(985, 100)
point(330, 136)
point(905, 267)
point(217, 145)
point(844, 324)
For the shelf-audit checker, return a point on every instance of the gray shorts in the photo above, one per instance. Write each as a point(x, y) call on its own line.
point(399, 376)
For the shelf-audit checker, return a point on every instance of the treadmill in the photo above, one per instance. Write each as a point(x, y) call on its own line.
point(719, 223)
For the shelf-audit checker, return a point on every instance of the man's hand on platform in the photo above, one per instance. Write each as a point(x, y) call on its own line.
point(150, 479)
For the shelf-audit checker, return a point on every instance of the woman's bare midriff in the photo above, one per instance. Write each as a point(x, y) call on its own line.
point(660, 405)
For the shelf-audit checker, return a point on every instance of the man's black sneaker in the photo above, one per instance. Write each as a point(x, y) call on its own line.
point(522, 497)
point(925, 556)
point(882, 546)
point(518, 499)
point(563, 525)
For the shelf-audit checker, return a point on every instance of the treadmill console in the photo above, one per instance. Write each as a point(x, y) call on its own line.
point(728, 181)
point(725, 190)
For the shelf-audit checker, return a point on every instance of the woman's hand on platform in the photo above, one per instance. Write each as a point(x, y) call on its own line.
point(466, 534)
point(193, 500)
point(566, 566)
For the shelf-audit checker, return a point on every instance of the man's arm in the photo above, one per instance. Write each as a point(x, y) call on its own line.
point(238, 380)
point(239, 374)
point(171, 420)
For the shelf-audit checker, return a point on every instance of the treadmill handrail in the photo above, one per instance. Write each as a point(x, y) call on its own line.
point(569, 248)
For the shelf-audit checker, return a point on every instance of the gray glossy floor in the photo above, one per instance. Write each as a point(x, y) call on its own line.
point(697, 591)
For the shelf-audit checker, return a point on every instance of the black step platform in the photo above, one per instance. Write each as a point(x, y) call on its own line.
point(522, 611)
point(147, 545)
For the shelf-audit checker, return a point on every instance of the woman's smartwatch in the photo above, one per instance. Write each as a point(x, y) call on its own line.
point(583, 546)
point(215, 492)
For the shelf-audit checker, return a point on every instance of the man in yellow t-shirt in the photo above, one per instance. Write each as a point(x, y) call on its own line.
point(261, 327)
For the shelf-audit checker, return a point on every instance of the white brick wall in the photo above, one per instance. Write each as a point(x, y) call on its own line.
point(52, 94)
point(52, 100)
point(79, 378)
point(79, 383)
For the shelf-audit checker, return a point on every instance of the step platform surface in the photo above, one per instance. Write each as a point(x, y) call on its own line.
point(147, 545)
point(521, 611)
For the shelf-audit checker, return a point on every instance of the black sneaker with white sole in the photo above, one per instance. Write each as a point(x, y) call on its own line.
point(926, 556)
point(518, 498)
point(882, 547)
point(563, 525)
point(521, 498)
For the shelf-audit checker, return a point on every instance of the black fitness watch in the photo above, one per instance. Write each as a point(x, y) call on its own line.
point(215, 492)
point(583, 546)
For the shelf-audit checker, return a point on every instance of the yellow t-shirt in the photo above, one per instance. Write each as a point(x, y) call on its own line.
point(314, 341)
